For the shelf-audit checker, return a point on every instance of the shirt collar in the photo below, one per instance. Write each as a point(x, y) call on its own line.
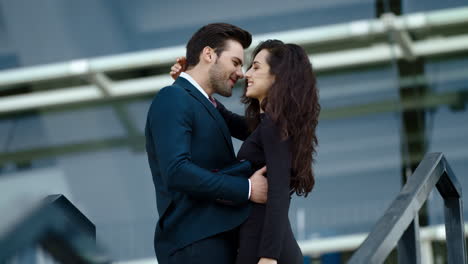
point(194, 83)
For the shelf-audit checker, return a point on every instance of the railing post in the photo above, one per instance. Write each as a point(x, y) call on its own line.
point(403, 213)
point(409, 248)
point(455, 230)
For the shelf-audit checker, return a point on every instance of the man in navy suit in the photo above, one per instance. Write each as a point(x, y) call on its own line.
point(200, 205)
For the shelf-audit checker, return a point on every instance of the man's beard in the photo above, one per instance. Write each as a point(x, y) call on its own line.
point(218, 80)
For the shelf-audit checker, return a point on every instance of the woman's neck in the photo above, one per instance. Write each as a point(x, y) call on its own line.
point(260, 100)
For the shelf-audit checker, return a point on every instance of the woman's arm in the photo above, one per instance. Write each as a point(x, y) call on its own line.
point(278, 161)
point(237, 124)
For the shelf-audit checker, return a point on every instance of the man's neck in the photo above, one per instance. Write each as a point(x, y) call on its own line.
point(201, 79)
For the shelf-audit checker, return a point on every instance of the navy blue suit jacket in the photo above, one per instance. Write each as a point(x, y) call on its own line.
point(187, 141)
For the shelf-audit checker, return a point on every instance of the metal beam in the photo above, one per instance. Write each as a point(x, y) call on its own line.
point(338, 33)
point(150, 85)
point(82, 94)
point(385, 53)
point(103, 89)
point(135, 139)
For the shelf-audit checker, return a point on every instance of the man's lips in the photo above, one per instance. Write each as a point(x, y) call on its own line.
point(233, 81)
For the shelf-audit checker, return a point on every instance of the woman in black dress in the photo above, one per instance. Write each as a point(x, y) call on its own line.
point(278, 130)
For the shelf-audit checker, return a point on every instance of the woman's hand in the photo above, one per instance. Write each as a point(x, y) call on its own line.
point(178, 67)
point(267, 261)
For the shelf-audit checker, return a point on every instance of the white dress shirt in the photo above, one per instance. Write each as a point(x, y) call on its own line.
point(194, 83)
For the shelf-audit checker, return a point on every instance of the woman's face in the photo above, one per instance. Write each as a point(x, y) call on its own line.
point(259, 79)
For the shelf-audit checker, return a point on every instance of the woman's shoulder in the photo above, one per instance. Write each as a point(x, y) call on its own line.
point(264, 117)
point(268, 125)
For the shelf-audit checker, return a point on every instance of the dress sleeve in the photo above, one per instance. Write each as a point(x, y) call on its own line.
point(278, 162)
point(236, 123)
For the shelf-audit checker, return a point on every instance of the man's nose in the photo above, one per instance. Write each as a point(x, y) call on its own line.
point(240, 74)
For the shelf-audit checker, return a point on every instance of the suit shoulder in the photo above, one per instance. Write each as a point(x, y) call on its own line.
point(172, 93)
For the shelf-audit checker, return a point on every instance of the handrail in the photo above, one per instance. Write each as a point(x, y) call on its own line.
point(57, 226)
point(399, 225)
point(72, 213)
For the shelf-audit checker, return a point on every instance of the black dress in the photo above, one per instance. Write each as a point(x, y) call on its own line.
point(267, 231)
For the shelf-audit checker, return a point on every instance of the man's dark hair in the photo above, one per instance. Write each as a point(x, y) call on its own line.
point(215, 36)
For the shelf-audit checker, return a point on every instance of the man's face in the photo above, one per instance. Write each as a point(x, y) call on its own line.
point(227, 68)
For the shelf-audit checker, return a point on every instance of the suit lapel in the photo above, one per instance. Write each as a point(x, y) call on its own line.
point(214, 113)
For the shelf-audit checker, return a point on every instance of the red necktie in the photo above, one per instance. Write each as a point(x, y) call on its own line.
point(213, 101)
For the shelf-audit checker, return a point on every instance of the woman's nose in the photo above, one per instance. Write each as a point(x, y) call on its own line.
point(247, 74)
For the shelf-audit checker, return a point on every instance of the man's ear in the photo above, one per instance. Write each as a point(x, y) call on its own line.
point(208, 55)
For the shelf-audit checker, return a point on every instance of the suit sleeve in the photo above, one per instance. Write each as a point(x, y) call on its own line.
point(278, 162)
point(170, 121)
point(236, 123)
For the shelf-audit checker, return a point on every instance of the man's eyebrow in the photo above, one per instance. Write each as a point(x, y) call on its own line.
point(238, 60)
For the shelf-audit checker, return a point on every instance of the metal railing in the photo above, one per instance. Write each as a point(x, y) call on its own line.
point(55, 225)
point(399, 225)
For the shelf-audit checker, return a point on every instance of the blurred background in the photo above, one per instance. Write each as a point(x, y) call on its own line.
point(77, 78)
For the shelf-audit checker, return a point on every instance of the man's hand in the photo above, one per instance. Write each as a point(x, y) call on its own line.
point(267, 261)
point(178, 67)
point(259, 186)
